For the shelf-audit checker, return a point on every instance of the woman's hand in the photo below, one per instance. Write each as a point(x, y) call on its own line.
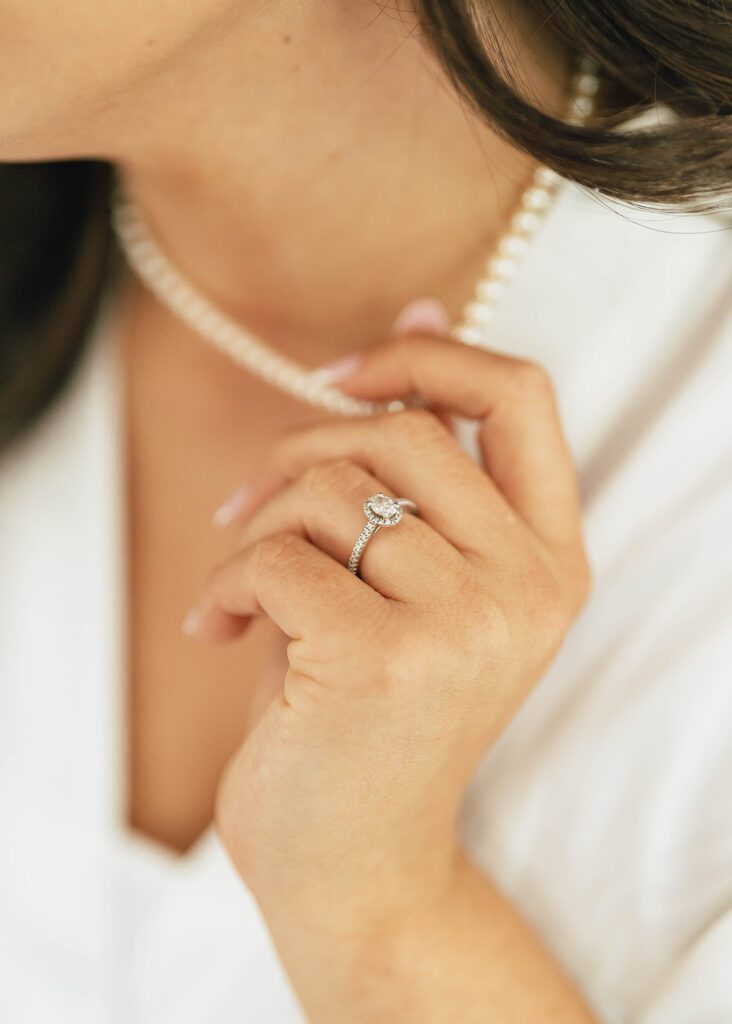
point(340, 806)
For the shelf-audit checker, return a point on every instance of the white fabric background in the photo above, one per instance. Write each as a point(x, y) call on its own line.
point(604, 811)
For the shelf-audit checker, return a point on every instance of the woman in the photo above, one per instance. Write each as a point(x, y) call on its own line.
point(381, 794)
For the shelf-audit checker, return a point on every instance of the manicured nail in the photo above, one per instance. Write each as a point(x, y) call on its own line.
point(191, 622)
point(339, 369)
point(233, 506)
point(422, 315)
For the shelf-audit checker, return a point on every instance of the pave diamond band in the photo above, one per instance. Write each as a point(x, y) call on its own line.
point(380, 510)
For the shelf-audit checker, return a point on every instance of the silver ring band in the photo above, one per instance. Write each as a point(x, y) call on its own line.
point(380, 510)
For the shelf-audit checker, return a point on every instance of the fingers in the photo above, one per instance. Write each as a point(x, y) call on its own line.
point(521, 437)
point(282, 576)
point(325, 506)
point(415, 456)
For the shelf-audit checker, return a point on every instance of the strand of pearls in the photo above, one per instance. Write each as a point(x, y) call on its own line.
point(254, 355)
point(532, 207)
point(229, 337)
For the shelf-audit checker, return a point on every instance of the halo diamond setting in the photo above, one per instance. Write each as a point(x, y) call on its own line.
point(381, 510)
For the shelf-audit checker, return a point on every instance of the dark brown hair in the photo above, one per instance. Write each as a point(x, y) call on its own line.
point(55, 251)
point(674, 52)
point(55, 247)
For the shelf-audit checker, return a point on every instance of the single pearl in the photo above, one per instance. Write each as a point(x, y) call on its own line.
point(525, 222)
point(207, 321)
point(536, 199)
point(228, 335)
point(258, 359)
point(491, 291)
point(513, 245)
point(479, 312)
point(502, 267)
point(469, 335)
point(545, 177)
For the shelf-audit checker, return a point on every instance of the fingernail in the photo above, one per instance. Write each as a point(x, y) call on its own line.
point(339, 369)
point(234, 505)
point(422, 315)
point(191, 622)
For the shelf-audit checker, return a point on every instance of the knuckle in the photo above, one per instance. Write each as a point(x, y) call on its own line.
point(474, 627)
point(332, 477)
point(399, 658)
point(394, 662)
point(565, 586)
point(548, 609)
point(409, 348)
point(488, 627)
point(417, 425)
point(277, 551)
point(532, 382)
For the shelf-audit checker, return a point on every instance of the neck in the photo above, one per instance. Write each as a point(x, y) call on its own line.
point(310, 176)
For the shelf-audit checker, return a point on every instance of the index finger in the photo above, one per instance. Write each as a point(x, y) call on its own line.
point(521, 438)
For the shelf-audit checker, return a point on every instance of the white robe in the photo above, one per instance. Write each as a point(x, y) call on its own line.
point(604, 811)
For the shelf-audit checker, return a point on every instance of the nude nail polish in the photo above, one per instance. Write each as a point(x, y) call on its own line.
point(425, 315)
point(339, 369)
point(233, 507)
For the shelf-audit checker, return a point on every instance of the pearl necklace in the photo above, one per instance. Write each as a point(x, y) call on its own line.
point(254, 355)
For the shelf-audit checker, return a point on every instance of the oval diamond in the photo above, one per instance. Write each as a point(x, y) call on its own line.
point(384, 506)
point(381, 510)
